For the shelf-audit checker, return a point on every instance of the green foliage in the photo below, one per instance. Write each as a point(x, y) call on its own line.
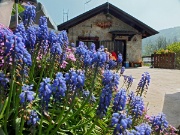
point(20, 9)
point(175, 47)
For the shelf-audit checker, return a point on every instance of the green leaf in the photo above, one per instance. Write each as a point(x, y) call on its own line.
point(18, 121)
point(4, 107)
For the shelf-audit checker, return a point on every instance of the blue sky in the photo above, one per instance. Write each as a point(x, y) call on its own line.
point(158, 14)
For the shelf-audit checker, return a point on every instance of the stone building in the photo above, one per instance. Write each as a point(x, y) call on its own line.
point(109, 26)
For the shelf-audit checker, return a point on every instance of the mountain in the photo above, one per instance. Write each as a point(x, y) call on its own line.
point(170, 34)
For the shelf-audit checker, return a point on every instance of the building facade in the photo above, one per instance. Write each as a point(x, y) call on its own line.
point(109, 26)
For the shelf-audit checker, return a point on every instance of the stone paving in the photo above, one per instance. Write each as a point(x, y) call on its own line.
point(164, 91)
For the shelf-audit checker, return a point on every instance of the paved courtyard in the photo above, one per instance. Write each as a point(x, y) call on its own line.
point(164, 91)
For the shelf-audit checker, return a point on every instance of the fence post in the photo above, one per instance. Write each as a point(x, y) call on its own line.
point(152, 60)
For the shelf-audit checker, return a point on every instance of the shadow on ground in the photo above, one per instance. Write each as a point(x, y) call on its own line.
point(171, 108)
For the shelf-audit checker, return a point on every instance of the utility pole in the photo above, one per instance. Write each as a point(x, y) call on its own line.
point(65, 13)
point(86, 2)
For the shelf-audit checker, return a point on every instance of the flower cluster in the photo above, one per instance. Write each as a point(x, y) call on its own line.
point(129, 81)
point(75, 79)
point(31, 37)
point(45, 92)
point(33, 118)
point(43, 29)
point(29, 14)
point(112, 64)
point(120, 59)
point(21, 53)
point(142, 129)
point(121, 123)
point(104, 102)
point(21, 32)
point(159, 122)
point(59, 86)
point(52, 38)
point(119, 100)
point(56, 49)
point(137, 106)
point(145, 80)
point(111, 79)
point(27, 95)
point(86, 94)
point(122, 70)
point(3, 80)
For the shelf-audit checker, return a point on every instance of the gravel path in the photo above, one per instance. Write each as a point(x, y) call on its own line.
point(164, 91)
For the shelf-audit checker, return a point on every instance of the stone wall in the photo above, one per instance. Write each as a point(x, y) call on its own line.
point(89, 28)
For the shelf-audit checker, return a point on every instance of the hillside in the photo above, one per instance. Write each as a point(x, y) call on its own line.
point(170, 35)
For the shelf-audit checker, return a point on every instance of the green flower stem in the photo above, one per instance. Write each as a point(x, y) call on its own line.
point(80, 125)
point(41, 75)
point(86, 101)
point(33, 65)
point(51, 125)
point(52, 67)
point(118, 67)
point(133, 121)
point(40, 126)
point(10, 97)
point(92, 126)
point(22, 123)
point(65, 116)
point(60, 116)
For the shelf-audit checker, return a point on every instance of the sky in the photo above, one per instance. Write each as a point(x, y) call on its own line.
point(158, 14)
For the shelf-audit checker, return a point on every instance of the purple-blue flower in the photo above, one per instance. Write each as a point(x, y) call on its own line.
point(159, 122)
point(143, 129)
point(122, 70)
point(63, 38)
point(145, 80)
point(27, 95)
point(110, 78)
point(120, 59)
point(52, 37)
point(33, 118)
point(29, 14)
point(137, 106)
point(99, 59)
point(59, 86)
point(43, 29)
point(104, 102)
point(112, 64)
point(31, 37)
point(129, 81)
point(21, 54)
point(45, 91)
point(81, 49)
point(92, 47)
point(119, 100)
point(56, 49)
point(121, 122)
point(3, 80)
point(87, 59)
point(131, 96)
point(21, 32)
point(86, 94)
point(75, 79)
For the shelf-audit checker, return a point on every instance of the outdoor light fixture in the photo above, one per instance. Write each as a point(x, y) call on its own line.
point(108, 16)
